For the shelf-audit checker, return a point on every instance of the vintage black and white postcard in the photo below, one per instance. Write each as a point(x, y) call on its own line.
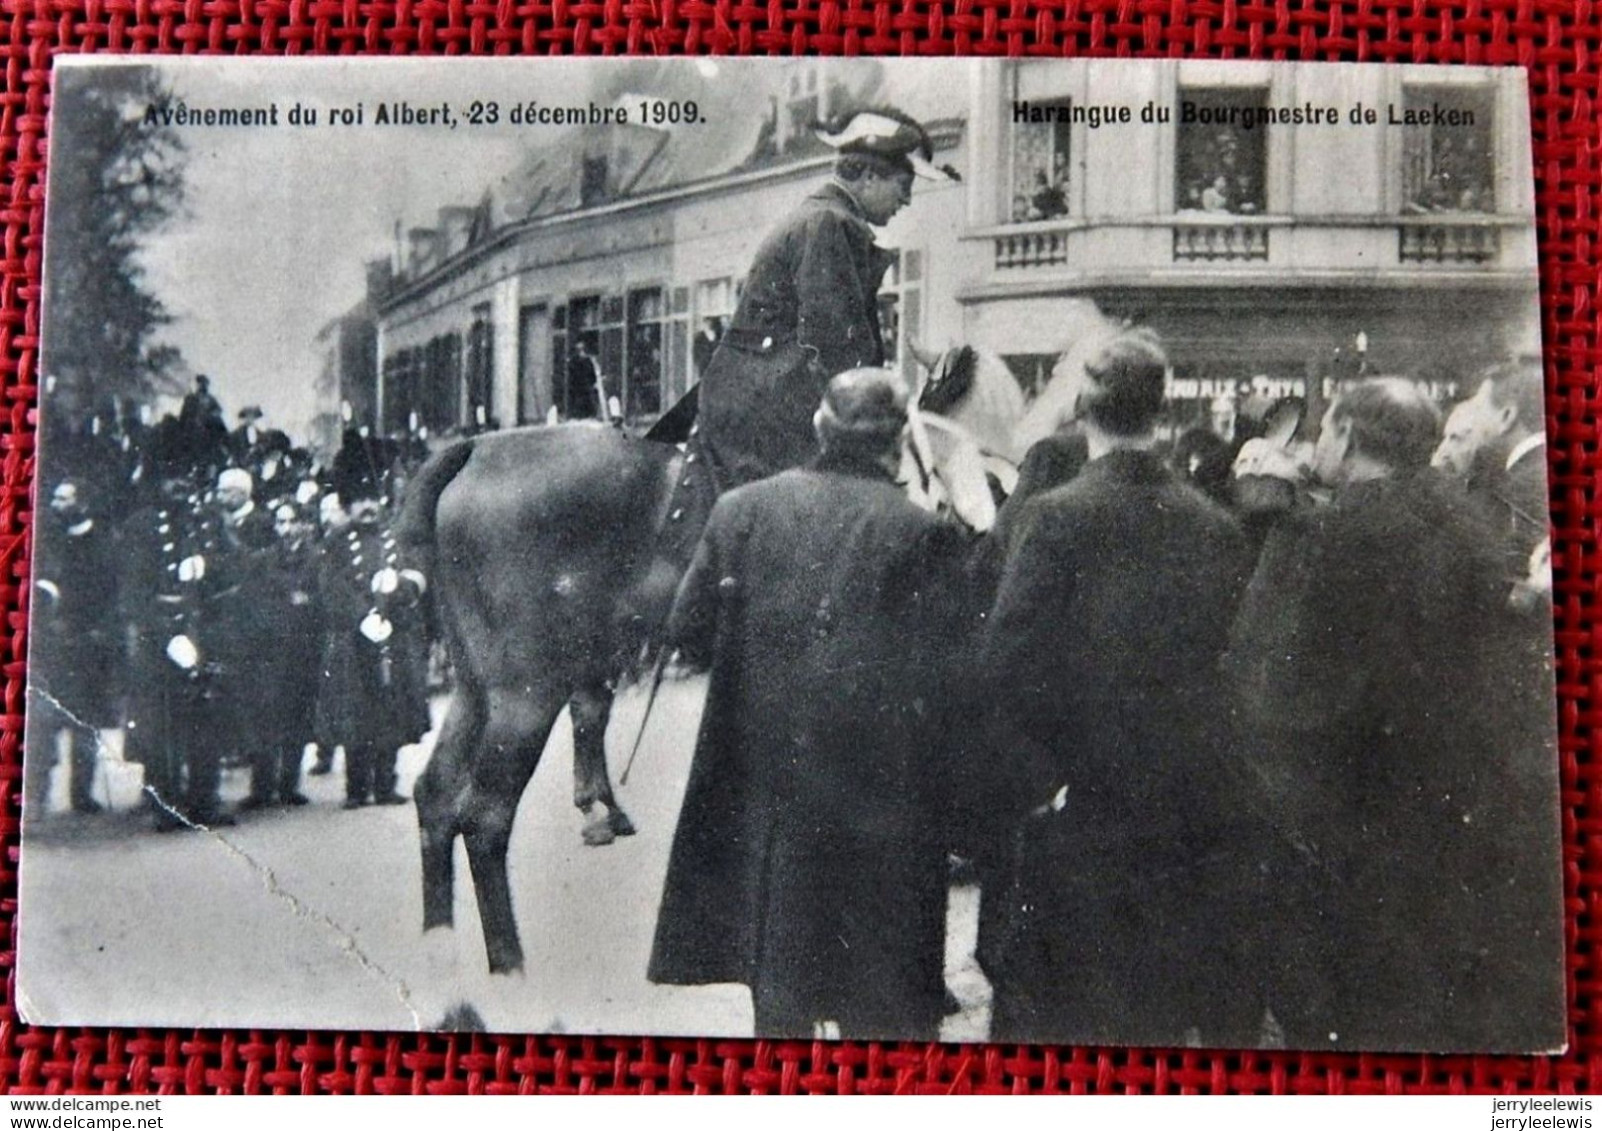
point(1035, 550)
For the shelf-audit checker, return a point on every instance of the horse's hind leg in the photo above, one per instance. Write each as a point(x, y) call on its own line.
point(591, 708)
point(516, 725)
point(439, 793)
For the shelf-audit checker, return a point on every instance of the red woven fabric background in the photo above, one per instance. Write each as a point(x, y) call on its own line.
point(1559, 41)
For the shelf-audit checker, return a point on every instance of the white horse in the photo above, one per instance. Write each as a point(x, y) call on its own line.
point(975, 443)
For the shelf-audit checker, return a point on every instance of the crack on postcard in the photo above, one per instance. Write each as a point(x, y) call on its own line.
point(347, 941)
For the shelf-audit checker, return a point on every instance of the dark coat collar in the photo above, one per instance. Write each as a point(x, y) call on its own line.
point(833, 197)
point(1128, 465)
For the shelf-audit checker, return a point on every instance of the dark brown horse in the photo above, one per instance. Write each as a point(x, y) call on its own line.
point(538, 544)
point(543, 551)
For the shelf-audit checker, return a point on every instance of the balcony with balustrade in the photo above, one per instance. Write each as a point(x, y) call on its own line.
point(1199, 248)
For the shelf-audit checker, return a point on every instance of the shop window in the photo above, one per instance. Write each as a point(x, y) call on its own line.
point(714, 307)
point(677, 377)
point(643, 387)
point(480, 367)
point(610, 356)
point(439, 388)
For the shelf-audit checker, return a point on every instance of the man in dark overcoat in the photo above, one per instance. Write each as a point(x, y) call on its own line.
point(1504, 423)
point(810, 307)
point(808, 862)
point(291, 667)
point(1373, 666)
point(73, 654)
point(374, 695)
point(1123, 920)
point(240, 631)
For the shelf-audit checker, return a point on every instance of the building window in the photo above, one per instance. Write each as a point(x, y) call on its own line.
point(1040, 164)
point(439, 388)
point(620, 347)
point(399, 395)
point(642, 390)
point(611, 357)
point(592, 180)
point(480, 367)
point(677, 377)
point(803, 107)
point(578, 349)
point(1448, 167)
point(901, 309)
point(1219, 166)
point(714, 307)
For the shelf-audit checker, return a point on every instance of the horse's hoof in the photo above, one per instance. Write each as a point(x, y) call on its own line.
point(618, 821)
point(462, 1018)
point(598, 834)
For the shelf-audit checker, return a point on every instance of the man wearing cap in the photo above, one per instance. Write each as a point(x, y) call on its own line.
point(810, 307)
point(202, 418)
point(807, 862)
point(245, 439)
point(374, 697)
point(167, 554)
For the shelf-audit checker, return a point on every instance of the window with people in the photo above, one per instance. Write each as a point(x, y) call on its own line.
point(714, 307)
point(611, 352)
point(1448, 163)
point(643, 388)
point(1040, 170)
point(480, 367)
point(1220, 162)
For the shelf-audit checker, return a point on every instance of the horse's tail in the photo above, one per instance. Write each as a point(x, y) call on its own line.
point(415, 528)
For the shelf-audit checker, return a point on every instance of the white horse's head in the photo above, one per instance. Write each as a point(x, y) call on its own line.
point(1055, 404)
point(965, 410)
point(972, 424)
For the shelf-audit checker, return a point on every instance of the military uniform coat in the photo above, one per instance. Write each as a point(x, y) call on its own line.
point(810, 310)
point(807, 862)
point(241, 632)
point(174, 725)
point(1123, 919)
point(1373, 663)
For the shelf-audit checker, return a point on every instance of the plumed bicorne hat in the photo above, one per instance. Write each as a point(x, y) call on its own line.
point(889, 134)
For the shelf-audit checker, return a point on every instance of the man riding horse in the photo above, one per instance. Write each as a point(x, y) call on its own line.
point(554, 553)
point(810, 307)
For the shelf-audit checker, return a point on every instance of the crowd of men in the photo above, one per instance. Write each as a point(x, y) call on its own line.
point(226, 601)
point(1269, 767)
point(1250, 744)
